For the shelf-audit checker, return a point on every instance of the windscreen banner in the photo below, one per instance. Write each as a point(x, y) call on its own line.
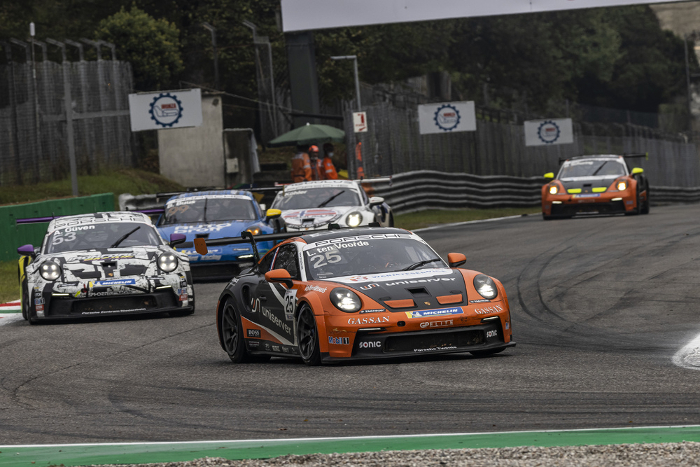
point(446, 117)
point(306, 15)
point(167, 109)
point(549, 132)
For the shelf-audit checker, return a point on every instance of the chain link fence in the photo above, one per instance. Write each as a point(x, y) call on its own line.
point(33, 126)
point(393, 144)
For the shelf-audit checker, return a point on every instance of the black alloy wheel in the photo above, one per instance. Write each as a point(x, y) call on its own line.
point(645, 206)
point(307, 336)
point(232, 333)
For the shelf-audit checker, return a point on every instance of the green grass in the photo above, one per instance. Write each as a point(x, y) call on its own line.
point(9, 286)
point(417, 220)
point(134, 181)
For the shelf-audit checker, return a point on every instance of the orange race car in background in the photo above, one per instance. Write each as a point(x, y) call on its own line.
point(362, 293)
point(603, 184)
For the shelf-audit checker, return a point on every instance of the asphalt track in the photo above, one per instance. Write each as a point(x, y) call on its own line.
point(600, 307)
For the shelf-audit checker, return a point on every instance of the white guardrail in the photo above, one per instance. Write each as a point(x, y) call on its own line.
point(428, 189)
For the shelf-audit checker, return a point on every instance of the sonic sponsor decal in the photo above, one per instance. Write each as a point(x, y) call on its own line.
point(438, 312)
point(115, 282)
point(488, 310)
point(369, 320)
point(339, 340)
point(369, 344)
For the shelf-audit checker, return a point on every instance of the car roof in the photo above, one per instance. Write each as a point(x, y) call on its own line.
point(212, 193)
point(98, 217)
point(598, 156)
point(340, 233)
point(321, 184)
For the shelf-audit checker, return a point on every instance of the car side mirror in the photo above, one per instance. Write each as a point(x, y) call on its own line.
point(27, 250)
point(200, 246)
point(279, 275)
point(273, 214)
point(176, 239)
point(637, 170)
point(376, 200)
point(456, 259)
point(549, 175)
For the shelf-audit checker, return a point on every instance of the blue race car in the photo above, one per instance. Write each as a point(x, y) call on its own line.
point(218, 214)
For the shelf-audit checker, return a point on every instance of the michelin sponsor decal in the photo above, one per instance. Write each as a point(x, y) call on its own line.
point(396, 276)
point(439, 312)
point(115, 282)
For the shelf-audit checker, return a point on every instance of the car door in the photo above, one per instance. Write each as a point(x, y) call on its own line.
point(276, 302)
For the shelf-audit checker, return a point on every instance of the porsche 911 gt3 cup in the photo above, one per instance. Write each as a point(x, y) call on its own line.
point(316, 205)
point(217, 214)
point(111, 263)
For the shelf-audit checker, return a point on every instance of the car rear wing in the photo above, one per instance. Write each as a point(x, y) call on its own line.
point(201, 244)
point(626, 156)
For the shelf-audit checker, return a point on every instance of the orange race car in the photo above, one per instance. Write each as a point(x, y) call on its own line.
point(603, 184)
point(364, 293)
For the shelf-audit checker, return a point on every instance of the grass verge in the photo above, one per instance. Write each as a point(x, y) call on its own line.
point(134, 181)
point(418, 220)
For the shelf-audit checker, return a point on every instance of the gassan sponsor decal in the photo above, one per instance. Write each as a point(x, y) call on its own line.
point(339, 340)
point(107, 257)
point(369, 320)
point(115, 282)
point(377, 310)
point(438, 312)
point(315, 288)
point(488, 310)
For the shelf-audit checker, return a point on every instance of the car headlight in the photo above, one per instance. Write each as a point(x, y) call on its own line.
point(354, 219)
point(167, 262)
point(253, 230)
point(622, 186)
point(345, 300)
point(553, 190)
point(50, 271)
point(485, 286)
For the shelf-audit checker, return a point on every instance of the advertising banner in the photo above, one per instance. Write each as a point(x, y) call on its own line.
point(446, 117)
point(305, 15)
point(167, 109)
point(549, 132)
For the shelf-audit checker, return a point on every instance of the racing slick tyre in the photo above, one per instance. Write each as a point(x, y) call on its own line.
point(547, 218)
point(486, 353)
point(232, 333)
point(25, 301)
point(307, 336)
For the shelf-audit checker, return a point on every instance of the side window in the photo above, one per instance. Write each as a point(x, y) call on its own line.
point(266, 261)
point(363, 193)
point(287, 259)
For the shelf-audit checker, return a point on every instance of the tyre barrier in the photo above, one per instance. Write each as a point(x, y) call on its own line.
point(428, 189)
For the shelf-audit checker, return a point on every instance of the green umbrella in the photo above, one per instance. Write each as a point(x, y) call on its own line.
point(309, 134)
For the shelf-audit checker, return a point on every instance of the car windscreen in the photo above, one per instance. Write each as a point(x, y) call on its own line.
point(592, 168)
point(316, 198)
point(210, 209)
point(368, 254)
point(102, 235)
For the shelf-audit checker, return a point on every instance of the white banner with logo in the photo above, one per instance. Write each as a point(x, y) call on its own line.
point(359, 120)
point(549, 132)
point(446, 117)
point(303, 15)
point(167, 109)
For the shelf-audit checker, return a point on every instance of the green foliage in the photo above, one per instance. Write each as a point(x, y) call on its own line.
point(152, 46)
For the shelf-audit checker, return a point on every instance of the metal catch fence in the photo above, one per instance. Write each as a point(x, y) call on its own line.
point(34, 141)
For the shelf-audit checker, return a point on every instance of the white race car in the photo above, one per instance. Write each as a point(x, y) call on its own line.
point(109, 263)
point(315, 205)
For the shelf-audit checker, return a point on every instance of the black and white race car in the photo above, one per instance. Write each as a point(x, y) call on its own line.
point(111, 263)
point(315, 205)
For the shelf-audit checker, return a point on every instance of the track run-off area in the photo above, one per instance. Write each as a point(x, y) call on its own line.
point(605, 313)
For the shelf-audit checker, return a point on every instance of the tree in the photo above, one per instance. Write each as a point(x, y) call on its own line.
point(152, 46)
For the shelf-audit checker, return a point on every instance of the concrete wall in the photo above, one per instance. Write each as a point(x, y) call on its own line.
point(194, 157)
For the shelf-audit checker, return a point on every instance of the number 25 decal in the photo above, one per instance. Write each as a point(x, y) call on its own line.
point(290, 304)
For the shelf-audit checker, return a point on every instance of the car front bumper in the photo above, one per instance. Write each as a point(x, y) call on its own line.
point(602, 203)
